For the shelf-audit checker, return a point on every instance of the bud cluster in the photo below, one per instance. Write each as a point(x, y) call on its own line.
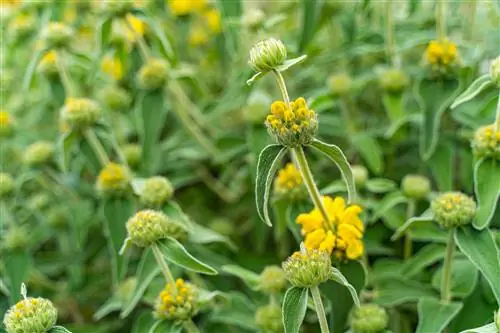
point(178, 301)
point(486, 142)
point(272, 279)
point(33, 315)
point(453, 209)
point(39, 153)
point(57, 34)
point(340, 84)
point(148, 226)
point(156, 191)
point(80, 112)
point(393, 80)
point(113, 180)
point(268, 319)
point(6, 184)
point(369, 318)
point(289, 183)
point(153, 74)
point(416, 186)
point(267, 55)
point(307, 268)
point(48, 65)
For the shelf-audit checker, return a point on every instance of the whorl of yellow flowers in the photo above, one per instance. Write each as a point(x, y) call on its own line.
point(341, 235)
point(441, 53)
point(289, 183)
point(185, 7)
point(177, 301)
point(112, 66)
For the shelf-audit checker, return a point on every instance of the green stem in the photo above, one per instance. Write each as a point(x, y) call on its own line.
point(282, 86)
point(143, 47)
point(408, 245)
point(320, 310)
point(96, 146)
point(216, 186)
point(190, 326)
point(441, 19)
point(69, 89)
point(389, 32)
point(446, 279)
point(497, 117)
point(163, 264)
point(470, 8)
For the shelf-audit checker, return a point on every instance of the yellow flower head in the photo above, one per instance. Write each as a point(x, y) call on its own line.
point(5, 123)
point(112, 66)
point(212, 16)
point(292, 125)
point(34, 315)
point(197, 35)
point(289, 183)
point(486, 142)
point(341, 235)
point(48, 65)
point(178, 301)
point(441, 53)
point(113, 179)
point(135, 27)
point(22, 25)
point(185, 7)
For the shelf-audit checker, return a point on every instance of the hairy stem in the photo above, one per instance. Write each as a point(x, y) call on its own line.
point(191, 327)
point(282, 86)
point(441, 19)
point(96, 146)
point(320, 310)
point(163, 265)
point(446, 279)
point(408, 245)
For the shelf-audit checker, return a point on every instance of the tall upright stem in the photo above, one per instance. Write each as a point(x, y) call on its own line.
point(69, 88)
point(282, 86)
point(441, 19)
point(163, 264)
point(320, 310)
point(389, 32)
point(96, 146)
point(408, 245)
point(497, 117)
point(446, 279)
point(143, 47)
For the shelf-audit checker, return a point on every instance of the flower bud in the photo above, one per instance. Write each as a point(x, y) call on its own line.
point(116, 98)
point(30, 315)
point(267, 55)
point(369, 318)
point(21, 26)
point(441, 56)
point(57, 34)
point(177, 302)
point(183, 7)
point(80, 112)
point(268, 319)
point(495, 71)
point(416, 186)
point(148, 226)
point(212, 17)
point(6, 184)
point(113, 180)
point(253, 18)
point(292, 125)
point(15, 239)
point(453, 209)
point(38, 153)
point(360, 174)
point(117, 8)
point(153, 74)
point(289, 184)
point(132, 152)
point(113, 67)
point(272, 279)
point(57, 218)
point(156, 191)
point(486, 142)
point(340, 84)
point(48, 66)
point(307, 268)
point(393, 80)
point(6, 124)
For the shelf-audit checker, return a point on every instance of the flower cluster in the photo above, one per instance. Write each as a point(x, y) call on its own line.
point(393, 80)
point(113, 180)
point(272, 279)
point(486, 142)
point(268, 319)
point(112, 66)
point(177, 301)
point(153, 74)
point(289, 183)
point(307, 268)
point(369, 318)
point(441, 55)
point(453, 209)
point(292, 125)
point(80, 112)
point(341, 235)
point(33, 315)
point(48, 65)
point(156, 191)
point(38, 153)
point(148, 226)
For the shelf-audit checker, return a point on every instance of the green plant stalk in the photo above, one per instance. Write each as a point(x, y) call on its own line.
point(320, 310)
point(389, 32)
point(446, 279)
point(96, 146)
point(408, 244)
point(69, 88)
point(143, 47)
point(282, 86)
point(163, 265)
point(471, 8)
point(190, 326)
point(497, 117)
point(441, 19)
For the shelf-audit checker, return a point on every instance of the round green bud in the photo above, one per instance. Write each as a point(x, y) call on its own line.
point(80, 112)
point(30, 315)
point(117, 8)
point(307, 268)
point(272, 279)
point(360, 174)
point(177, 302)
point(253, 18)
point(39, 153)
point(132, 152)
point(125, 289)
point(15, 238)
point(113, 180)
point(453, 209)
point(39, 201)
point(340, 84)
point(153, 74)
point(156, 191)
point(57, 34)
point(21, 26)
point(495, 71)
point(268, 319)
point(6, 184)
point(393, 80)
point(116, 98)
point(486, 142)
point(267, 55)
point(57, 218)
point(369, 318)
point(222, 226)
point(416, 186)
point(148, 226)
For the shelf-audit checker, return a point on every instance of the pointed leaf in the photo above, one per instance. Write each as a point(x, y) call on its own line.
point(392, 291)
point(255, 77)
point(175, 252)
point(434, 316)
point(370, 150)
point(67, 143)
point(426, 256)
point(294, 309)
point(337, 276)
point(110, 306)
point(487, 190)
point(16, 265)
point(59, 329)
point(291, 62)
point(202, 235)
point(427, 217)
point(28, 76)
point(250, 278)
point(393, 104)
point(474, 89)
point(489, 328)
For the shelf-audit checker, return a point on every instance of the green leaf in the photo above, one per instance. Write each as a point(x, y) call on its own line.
point(147, 270)
point(434, 316)
point(335, 154)
point(370, 151)
point(390, 201)
point(16, 265)
point(442, 166)
point(481, 249)
point(255, 77)
point(267, 165)
point(176, 253)
point(59, 329)
point(28, 76)
point(338, 277)
point(164, 326)
point(487, 190)
point(67, 142)
point(105, 32)
point(463, 278)
point(489, 328)
point(474, 89)
point(117, 212)
point(291, 62)
point(426, 217)
point(250, 278)
point(393, 105)
point(311, 10)
point(110, 306)
point(201, 235)
point(393, 291)
point(294, 308)
point(239, 311)
point(380, 185)
point(426, 256)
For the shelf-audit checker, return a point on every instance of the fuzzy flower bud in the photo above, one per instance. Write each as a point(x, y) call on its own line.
point(289, 183)
point(39, 201)
point(369, 318)
point(156, 191)
point(153, 74)
point(340, 84)
point(132, 152)
point(360, 174)
point(272, 279)
point(38, 153)
point(486, 142)
point(15, 239)
point(31, 315)
point(292, 125)
point(148, 226)
point(48, 66)
point(80, 112)
point(113, 67)
point(393, 80)
point(267, 55)
point(268, 319)
point(116, 98)
point(416, 186)
point(177, 302)
point(57, 34)
point(253, 18)
point(21, 26)
point(307, 268)
point(495, 71)
point(6, 124)
point(113, 180)
point(453, 209)
point(117, 8)
point(6, 184)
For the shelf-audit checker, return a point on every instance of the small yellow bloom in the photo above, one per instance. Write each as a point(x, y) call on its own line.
point(212, 17)
point(197, 36)
point(185, 7)
point(112, 66)
point(288, 183)
point(176, 301)
point(442, 53)
point(113, 178)
point(135, 27)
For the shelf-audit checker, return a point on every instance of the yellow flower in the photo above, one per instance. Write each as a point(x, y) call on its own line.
point(113, 179)
point(185, 7)
point(48, 65)
point(5, 124)
point(441, 53)
point(69, 14)
point(10, 3)
point(212, 16)
point(341, 235)
point(177, 301)
point(112, 66)
point(197, 35)
point(135, 27)
point(289, 183)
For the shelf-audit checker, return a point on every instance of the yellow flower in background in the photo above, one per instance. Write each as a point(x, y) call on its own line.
point(135, 27)
point(288, 183)
point(197, 36)
point(441, 53)
point(48, 59)
point(212, 16)
point(113, 66)
point(10, 3)
point(177, 301)
point(341, 235)
point(69, 14)
point(185, 7)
